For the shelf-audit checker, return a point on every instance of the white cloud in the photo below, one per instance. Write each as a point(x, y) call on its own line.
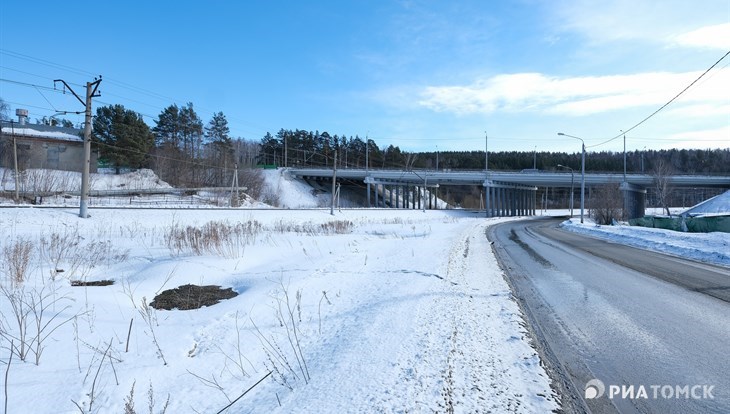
point(708, 138)
point(702, 110)
point(714, 37)
point(626, 20)
point(577, 96)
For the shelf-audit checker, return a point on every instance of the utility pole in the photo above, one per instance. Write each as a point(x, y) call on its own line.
point(486, 152)
point(15, 157)
point(234, 187)
point(334, 180)
point(367, 178)
point(367, 151)
point(486, 169)
point(91, 92)
point(624, 157)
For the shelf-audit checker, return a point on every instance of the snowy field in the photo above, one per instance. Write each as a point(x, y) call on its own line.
point(363, 311)
point(380, 311)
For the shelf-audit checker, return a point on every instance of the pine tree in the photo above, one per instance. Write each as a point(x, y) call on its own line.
point(217, 133)
point(217, 136)
point(167, 131)
point(125, 140)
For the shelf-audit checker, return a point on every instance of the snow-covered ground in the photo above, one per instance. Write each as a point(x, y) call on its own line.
point(363, 311)
point(705, 247)
point(401, 311)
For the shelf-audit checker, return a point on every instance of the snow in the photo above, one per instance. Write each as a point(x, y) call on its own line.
point(718, 205)
point(398, 311)
point(29, 132)
point(705, 247)
point(406, 311)
point(281, 190)
point(68, 181)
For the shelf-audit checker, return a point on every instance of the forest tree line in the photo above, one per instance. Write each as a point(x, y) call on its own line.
point(315, 149)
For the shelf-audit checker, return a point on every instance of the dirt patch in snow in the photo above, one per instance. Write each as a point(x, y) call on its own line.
point(188, 297)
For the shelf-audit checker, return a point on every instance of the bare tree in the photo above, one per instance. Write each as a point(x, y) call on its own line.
point(4, 109)
point(607, 201)
point(661, 172)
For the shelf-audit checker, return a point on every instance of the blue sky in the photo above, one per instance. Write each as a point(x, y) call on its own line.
point(422, 75)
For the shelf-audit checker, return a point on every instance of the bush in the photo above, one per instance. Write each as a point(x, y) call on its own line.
point(607, 203)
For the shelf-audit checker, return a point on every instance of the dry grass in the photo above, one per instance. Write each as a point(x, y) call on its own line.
point(313, 229)
point(215, 237)
point(16, 260)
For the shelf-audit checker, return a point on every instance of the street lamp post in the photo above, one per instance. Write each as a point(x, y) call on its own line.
point(582, 173)
point(571, 187)
point(487, 210)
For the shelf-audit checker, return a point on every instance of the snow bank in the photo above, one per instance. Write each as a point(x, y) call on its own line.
point(705, 247)
point(718, 205)
point(281, 190)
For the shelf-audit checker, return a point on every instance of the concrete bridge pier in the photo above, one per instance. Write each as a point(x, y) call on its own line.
point(405, 195)
point(634, 200)
point(503, 200)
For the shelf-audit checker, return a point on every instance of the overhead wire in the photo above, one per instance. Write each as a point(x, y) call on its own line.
point(124, 85)
point(663, 106)
point(144, 91)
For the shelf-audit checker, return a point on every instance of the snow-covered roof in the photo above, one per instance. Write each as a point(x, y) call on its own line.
point(43, 131)
point(716, 205)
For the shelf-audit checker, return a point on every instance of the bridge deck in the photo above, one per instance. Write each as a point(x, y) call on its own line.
point(538, 179)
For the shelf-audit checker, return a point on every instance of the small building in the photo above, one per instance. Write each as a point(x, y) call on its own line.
point(42, 146)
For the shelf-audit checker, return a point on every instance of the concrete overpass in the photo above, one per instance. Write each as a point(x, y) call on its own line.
point(507, 193)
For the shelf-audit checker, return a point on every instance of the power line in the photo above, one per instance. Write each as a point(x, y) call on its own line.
point(43, 62)
point(44, 97)
point(259, 129)
point(30, 85)
point(663, 106)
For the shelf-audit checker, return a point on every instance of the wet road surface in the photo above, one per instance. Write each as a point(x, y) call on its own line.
point(624, 316)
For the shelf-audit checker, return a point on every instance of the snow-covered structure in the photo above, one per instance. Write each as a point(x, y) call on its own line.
point(718, 205)
point(42, 146)
point(708, 216)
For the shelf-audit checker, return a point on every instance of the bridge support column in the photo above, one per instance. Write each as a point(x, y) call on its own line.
point(495, 206)
point(634, 201)
point(500, 202)
point(500, 206)
point(522, 202)
point(523, 198)
point(368, 180)
point(490, 205)
point(511, 201)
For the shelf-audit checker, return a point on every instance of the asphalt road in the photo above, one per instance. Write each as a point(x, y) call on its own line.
point(624, 316)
